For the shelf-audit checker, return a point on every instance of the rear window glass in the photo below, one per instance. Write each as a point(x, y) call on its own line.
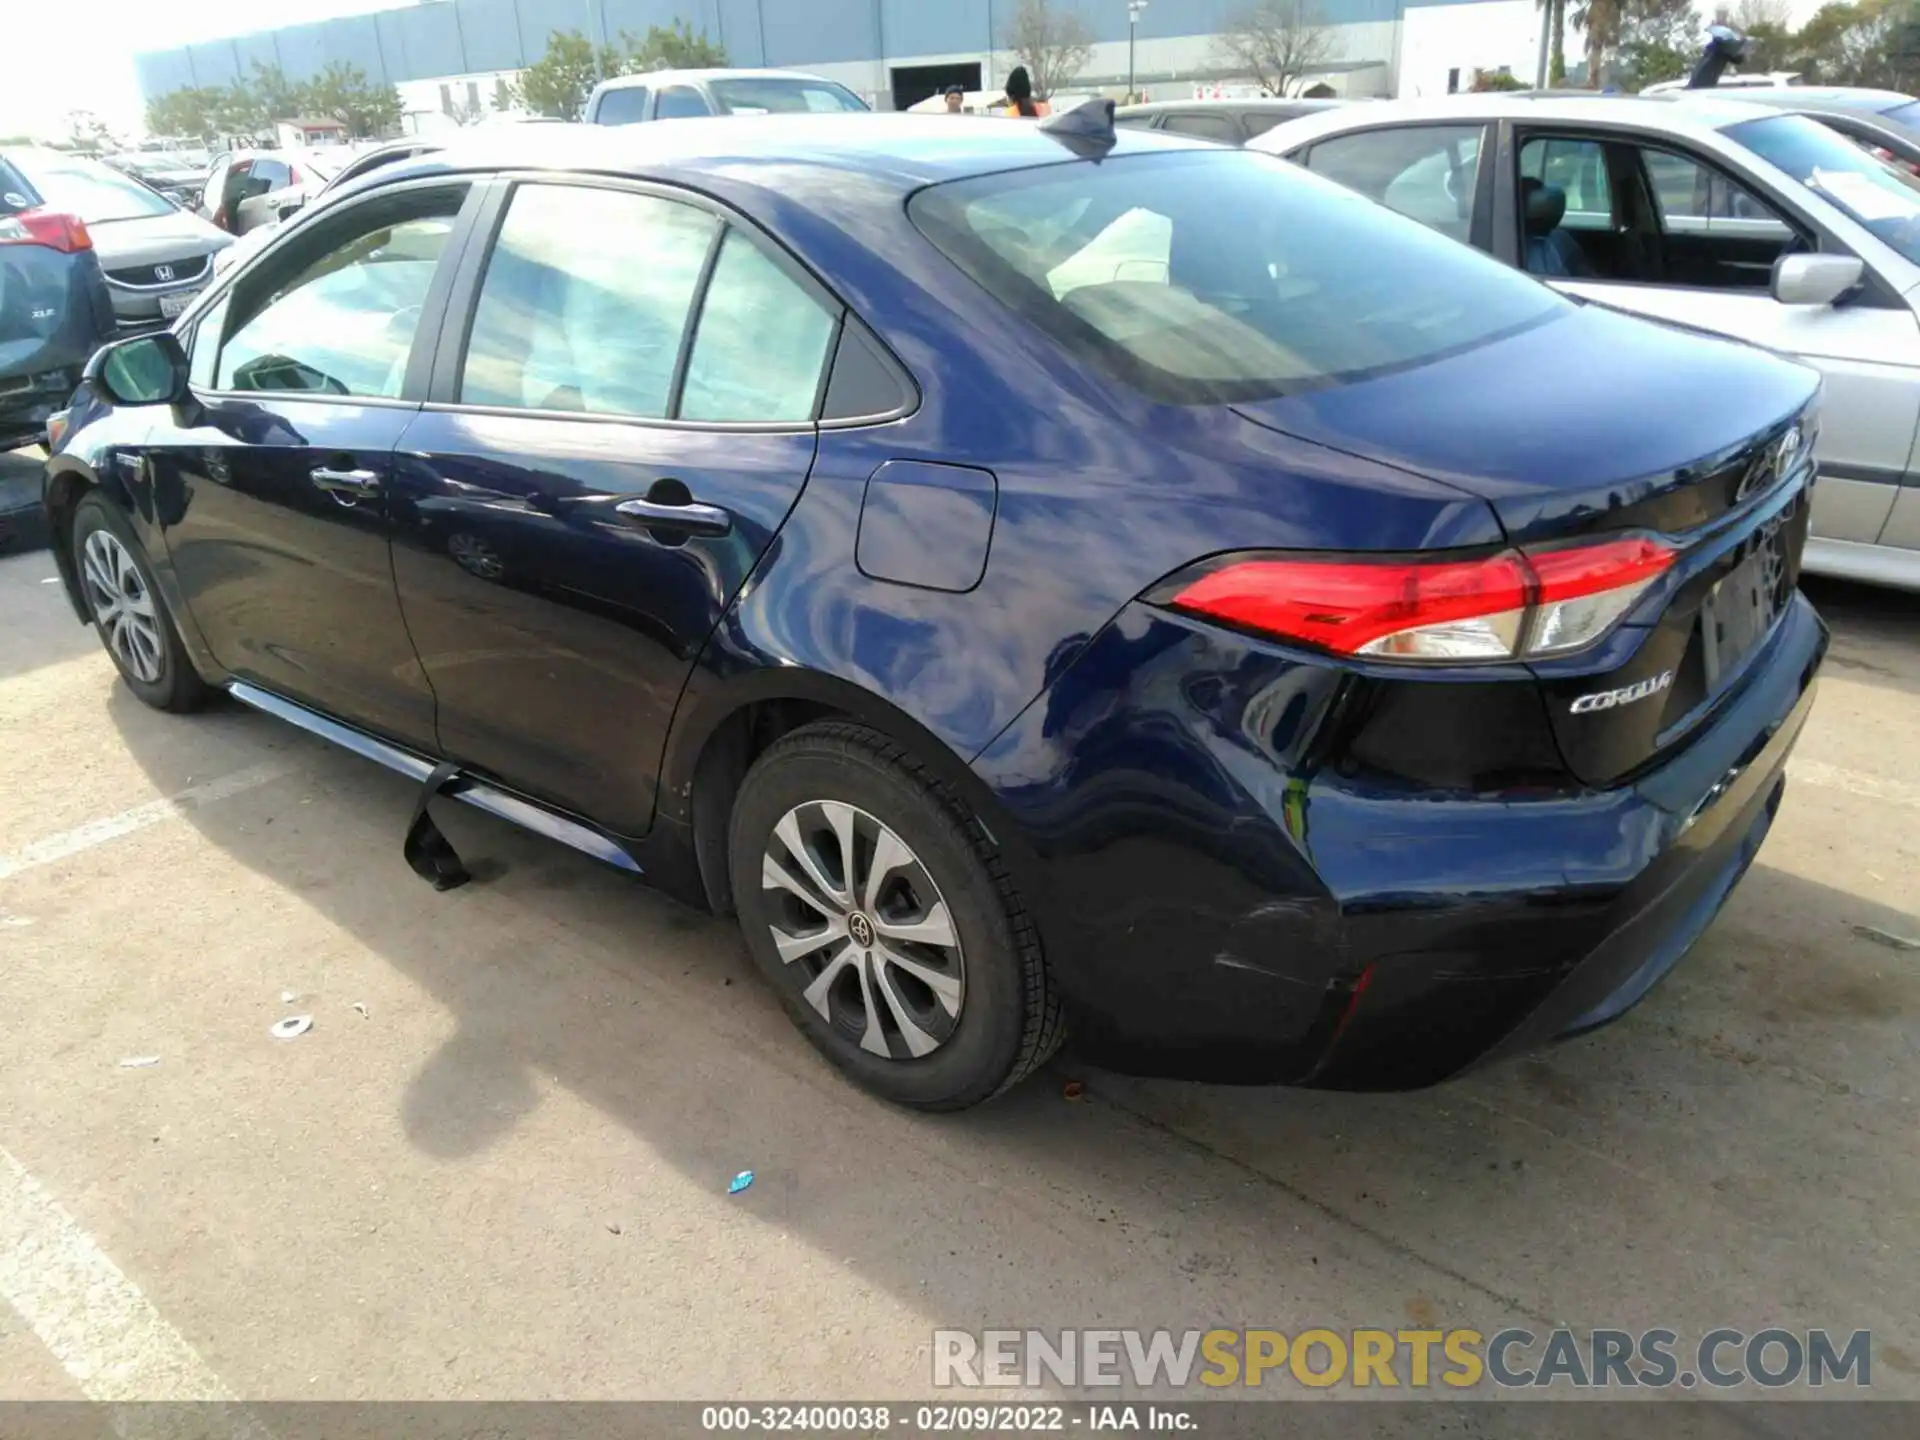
point(625, 105)
point(92, 191)
point(768, 95)
point(1135, 263)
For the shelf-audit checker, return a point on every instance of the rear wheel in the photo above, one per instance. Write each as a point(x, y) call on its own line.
point(127, 609)
point(884, 918)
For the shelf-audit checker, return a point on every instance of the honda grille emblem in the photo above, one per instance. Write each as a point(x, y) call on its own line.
point(163, 273)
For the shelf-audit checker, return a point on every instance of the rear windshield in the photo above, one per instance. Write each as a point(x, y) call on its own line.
point(1224, 275)
point(1907, 114)
point(766, 95)
point(94, 192)
point(1882, 197)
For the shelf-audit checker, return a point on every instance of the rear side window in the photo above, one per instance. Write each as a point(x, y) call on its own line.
point(761, 344)
point(679, 102)
point(624, 106)
point(586, 298)
point(1127, 263)
point(1579, 169)
point(1426, 172)
point(1206, 127)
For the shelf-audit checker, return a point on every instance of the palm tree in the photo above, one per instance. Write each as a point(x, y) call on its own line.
point(1600, 20)
point(1556, 39)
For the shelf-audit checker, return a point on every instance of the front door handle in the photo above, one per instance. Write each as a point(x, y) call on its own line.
point(346, 486)
point(692, 518)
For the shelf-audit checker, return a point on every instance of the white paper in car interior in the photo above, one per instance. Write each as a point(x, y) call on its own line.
point(1865, 199)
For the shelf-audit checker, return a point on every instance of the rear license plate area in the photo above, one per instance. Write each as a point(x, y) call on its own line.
point(1742, 606)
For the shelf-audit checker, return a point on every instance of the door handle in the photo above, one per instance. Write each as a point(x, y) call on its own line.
point(347, 484)
point(692, 518)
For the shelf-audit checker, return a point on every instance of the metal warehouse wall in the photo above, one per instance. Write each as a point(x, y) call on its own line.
point(461, 37)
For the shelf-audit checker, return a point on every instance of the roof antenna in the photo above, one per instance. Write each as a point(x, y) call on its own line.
point(1087, 129)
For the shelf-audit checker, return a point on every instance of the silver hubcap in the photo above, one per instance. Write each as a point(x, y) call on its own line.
point(861, 927)
point(122, 605)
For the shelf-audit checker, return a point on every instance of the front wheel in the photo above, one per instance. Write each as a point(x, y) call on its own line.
point(886, 921)
point(127, 609)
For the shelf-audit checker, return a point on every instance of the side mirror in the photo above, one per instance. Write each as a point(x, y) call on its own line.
point(1815, 279)
point(146, 370)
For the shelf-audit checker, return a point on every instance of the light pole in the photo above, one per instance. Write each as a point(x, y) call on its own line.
point(1134, 7)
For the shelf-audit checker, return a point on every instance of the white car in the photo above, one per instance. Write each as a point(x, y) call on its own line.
point(1723, 216)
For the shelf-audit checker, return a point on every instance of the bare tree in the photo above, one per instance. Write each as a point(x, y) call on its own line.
point(1276, 41)
point(1052, 42)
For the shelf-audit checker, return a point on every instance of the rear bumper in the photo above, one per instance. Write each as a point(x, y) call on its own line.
point(1211, 915)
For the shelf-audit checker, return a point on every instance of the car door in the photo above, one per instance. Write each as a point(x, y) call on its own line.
point(266, 176)
point(611, 443)
point(271, 485)
point(1675, 236)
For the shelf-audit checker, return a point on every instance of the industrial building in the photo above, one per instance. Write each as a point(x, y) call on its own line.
point(449, 57)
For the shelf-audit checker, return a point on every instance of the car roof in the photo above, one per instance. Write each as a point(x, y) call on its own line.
point(900, 152)
point(696, 77)
point(1821, 98)
point(1256, 103)
point(1654, 113)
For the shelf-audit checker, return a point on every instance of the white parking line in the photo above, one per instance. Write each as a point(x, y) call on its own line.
point(98, 832)
point(1854, 782)
point(96, 1322)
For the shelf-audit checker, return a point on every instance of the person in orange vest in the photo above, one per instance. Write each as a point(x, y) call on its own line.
point(1020, 99)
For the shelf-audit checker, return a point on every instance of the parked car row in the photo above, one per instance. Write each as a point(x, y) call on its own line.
point(1301, 649)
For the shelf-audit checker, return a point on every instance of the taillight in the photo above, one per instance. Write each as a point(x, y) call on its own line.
point(1515, 605)
point(66, 233)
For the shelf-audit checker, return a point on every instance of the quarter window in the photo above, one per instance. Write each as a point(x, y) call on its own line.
point(585, 302)
point(1426, 172)
point(343, 322)
point(761, 343)
point(623, 105)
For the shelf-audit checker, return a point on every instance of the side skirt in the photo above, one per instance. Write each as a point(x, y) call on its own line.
point(468, 790)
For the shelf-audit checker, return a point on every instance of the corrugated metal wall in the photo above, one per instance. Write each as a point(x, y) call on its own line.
point(453, 37)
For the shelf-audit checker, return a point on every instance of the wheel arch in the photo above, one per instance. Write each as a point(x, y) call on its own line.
point(69, 481)
point(718, 734)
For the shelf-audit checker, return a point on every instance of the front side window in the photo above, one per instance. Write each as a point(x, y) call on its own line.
point(342, 321)
point(1694, 199)
point(626, 105)
point(1883, 198)
point(1426, 172)
point(585, 299)
point(761, 344)
point(780, 95)
point(678, 102)
point(1128, 264)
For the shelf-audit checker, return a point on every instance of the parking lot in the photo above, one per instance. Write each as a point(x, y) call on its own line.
point(498, 1163)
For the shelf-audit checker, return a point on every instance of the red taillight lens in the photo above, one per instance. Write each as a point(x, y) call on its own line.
point(1508, 606)
point(67, 233)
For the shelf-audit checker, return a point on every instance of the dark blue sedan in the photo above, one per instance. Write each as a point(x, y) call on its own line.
point(1035, 579)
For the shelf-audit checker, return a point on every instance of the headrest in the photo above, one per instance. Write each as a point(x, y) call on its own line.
point(1546, 205)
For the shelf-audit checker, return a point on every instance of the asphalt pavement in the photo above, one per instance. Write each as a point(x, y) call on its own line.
point(497, 1165)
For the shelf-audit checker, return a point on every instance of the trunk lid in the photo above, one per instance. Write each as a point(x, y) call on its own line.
point(1598, 424)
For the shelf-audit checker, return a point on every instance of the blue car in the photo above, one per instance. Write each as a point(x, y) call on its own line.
point(1037, 578)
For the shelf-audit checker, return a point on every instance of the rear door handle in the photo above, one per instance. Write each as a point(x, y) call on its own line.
point(347, 484)
point(692, 518)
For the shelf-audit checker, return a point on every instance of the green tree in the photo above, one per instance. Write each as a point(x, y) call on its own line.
point(558, 83)
point(1659, 40)
point(1859, 44)
point(672, 47)
point(191, 113)
point(1556, 39)
point(342, 92)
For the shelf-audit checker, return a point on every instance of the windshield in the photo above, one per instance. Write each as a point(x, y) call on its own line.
point(1883, 198)
point(765, 95)
point(1132, 263)
point(94, 192)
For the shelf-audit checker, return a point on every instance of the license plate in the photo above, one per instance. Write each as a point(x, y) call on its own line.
point(1741, 609)
point(176, 303)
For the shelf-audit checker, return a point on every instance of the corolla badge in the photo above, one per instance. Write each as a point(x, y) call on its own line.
point(1625, 695)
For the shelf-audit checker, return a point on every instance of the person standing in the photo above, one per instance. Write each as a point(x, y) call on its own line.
point(1020, 99)
point(956, 99)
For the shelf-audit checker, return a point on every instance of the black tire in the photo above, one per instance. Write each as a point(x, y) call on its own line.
point(1009, 1019)
point(175, 686)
